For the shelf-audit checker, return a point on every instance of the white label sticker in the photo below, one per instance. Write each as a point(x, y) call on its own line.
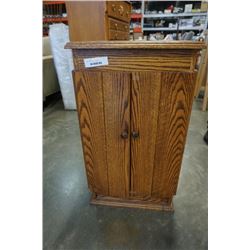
point(96, 61)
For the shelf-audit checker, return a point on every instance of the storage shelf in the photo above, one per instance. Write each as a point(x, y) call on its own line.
point(173, 29)
point(55, 19)
point(174, 15)
point(136, 16)
point(53, 12)
point(53, 2)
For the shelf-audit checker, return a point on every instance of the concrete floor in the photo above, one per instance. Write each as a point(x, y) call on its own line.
point(69, 222)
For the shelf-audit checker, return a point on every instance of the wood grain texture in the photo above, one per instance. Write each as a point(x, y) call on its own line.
point(177, 90)
point(146, 88)
point(134, 53)
point(118, 35)
point(89, 98)
point(145, 95)
point(114, 24)
point(120, 10)
point(205, 98)
point(141, 63)
point(116, 91)
point(86, 20)
point(104, 113)
point(202, 72)
point(152, 204)
point(136, 45)
point(140, 59)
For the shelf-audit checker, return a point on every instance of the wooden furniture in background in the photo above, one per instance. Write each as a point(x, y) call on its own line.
point(202, 72)
point(202, 78)
point(98, 20)
point(134, 115)
point(205, 97)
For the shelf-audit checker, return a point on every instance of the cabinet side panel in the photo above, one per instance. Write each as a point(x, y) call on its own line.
point(89, 97)
point(116, 91)
point(177, 90)
point(86, 20)
point(145, 97)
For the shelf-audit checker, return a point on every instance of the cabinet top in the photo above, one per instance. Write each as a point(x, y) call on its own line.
point(136, 45)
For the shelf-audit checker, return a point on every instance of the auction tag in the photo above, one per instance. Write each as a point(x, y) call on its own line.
point(96, 61)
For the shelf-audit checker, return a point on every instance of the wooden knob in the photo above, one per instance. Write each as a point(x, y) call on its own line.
point(124, 135)
point(135, 134)
point(113, 7)
point(116, 25)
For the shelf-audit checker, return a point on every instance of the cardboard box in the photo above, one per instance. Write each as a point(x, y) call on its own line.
point(204, 6)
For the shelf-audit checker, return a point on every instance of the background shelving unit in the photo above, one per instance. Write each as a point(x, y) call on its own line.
point(173, 15)
point(174, 29)
point(153, 19)
point(136, 17)
point(53, 12)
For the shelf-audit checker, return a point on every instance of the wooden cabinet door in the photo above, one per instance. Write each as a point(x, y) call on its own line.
point(161, 104)
point(145, 94)
point(104, 115)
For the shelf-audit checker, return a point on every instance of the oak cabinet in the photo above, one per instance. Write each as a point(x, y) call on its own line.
point(98, 20)
point(133, 116)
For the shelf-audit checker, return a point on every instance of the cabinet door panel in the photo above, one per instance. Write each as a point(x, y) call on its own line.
point(116, 92)
point(145, 96)
point(160, 109)
point(89, 98)
point(103, 109)
point(174, 112)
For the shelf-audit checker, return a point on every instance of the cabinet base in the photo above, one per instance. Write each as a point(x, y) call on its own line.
point(132, 203)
